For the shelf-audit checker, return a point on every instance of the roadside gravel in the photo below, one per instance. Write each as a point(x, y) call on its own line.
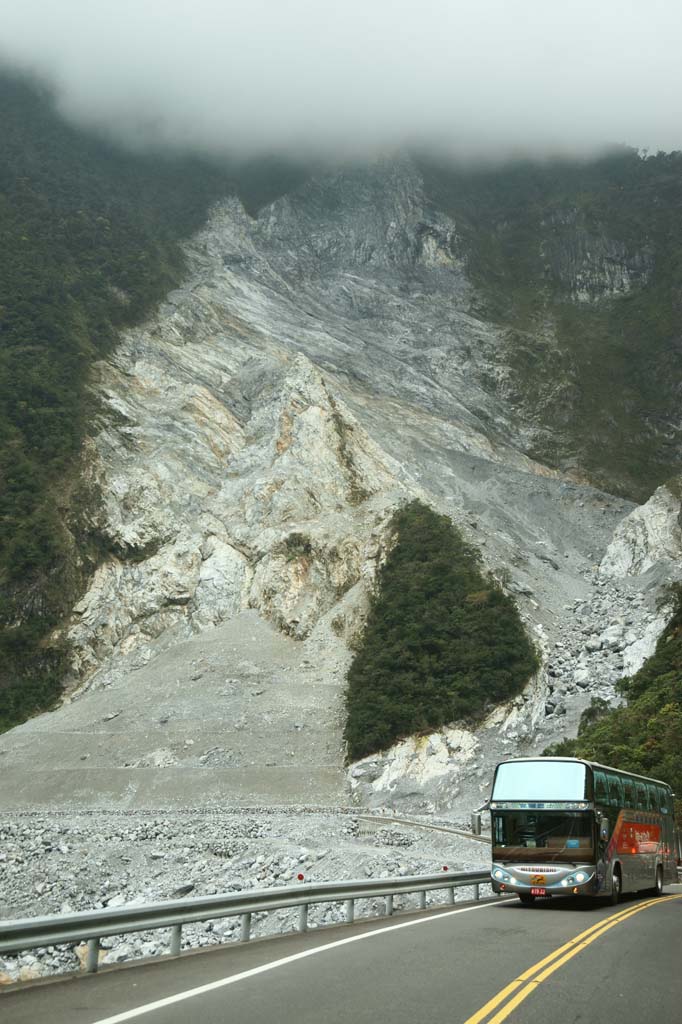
point(63, 863)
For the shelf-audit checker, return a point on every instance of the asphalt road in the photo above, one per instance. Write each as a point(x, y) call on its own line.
point(475, 964)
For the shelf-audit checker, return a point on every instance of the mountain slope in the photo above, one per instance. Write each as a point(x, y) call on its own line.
point(89, 243)
point(319, 366)
point(581, 265)
point(377, 334)
point(645, 734)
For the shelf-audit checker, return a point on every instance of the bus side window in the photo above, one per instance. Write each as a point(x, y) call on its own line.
point(615, 790)
point(664, 800)
point(600, 792)
point(628, 792)
point(653, 798)
point(642, 803)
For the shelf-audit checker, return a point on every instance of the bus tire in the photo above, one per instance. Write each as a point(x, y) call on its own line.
point(527, 899)
point(616, 886)
point(658, 886)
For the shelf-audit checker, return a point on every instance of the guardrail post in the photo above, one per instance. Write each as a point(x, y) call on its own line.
point(303, 917)
point(245, 933)
point(451, 895)
point(477, 891)
point(422, 900)
point(92, 960)
point(350, 911)
point(389, 905)
point(175, 939)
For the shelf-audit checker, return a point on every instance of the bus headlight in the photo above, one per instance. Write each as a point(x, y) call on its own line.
point(578, 877)
point(501, 876)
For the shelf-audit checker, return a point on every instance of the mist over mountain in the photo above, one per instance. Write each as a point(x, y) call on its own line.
point(309, 459)
point(316, 78)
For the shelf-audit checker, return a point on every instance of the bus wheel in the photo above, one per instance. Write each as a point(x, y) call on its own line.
point(527, 899)
point(658, 887)
point(615, 888)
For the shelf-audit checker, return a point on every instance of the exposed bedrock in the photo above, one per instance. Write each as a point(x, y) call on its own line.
point(320, 365)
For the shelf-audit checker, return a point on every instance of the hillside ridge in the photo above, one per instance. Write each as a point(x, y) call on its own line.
point(319, 366)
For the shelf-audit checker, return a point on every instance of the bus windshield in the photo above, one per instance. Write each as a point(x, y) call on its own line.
point(559, 835)
point(540, 780)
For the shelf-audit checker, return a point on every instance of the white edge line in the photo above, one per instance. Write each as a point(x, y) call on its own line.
point(222, 982)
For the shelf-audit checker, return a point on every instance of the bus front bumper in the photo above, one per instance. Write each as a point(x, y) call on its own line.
point(571, 880)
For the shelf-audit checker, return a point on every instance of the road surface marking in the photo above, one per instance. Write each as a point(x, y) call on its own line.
point(513, 985)
point(159, 1004)
point(534, 976)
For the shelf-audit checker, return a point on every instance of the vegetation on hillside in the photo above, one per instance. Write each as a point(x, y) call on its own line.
point(442, 641)
point(602, 380)
point(88, 243)
point(645, 734)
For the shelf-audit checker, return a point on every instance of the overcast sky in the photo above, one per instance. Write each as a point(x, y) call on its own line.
point(302, 76)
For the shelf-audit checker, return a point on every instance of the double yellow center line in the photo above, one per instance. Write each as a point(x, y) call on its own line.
point(539, 972)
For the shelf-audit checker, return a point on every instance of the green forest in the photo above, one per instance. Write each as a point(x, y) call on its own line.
point(89, 242)
point(645, 734)
point(600, 380)
point(442, 641)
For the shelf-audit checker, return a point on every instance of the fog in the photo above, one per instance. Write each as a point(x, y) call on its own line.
point(312, 77)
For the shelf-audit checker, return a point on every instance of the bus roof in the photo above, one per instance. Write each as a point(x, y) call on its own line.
point(590, 764)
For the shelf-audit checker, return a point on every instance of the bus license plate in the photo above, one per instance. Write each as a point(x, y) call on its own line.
point(538, 892)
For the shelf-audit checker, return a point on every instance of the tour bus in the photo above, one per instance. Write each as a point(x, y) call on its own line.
point(563, 826)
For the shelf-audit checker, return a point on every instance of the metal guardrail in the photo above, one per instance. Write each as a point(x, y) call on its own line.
point(385, 819)
point(92, 925)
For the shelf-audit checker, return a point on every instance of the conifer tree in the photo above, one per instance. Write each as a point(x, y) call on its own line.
point(442, 640)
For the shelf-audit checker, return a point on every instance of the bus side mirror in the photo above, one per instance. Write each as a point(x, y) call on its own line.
point(604, 828)
point(476, 823)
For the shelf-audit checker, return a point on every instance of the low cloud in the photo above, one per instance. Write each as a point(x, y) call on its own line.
point(312, 77)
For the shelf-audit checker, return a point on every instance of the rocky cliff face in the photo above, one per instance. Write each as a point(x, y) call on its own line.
point(590, 266)
point(320, 365)
point(649, 536)
point(208, 517)
point(234, 471)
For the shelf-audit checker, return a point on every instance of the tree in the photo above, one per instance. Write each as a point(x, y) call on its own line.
point(442, 640)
